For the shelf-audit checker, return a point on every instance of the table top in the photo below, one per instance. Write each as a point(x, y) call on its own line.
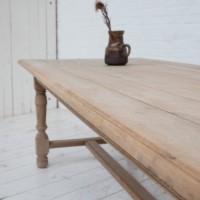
point(150, 109)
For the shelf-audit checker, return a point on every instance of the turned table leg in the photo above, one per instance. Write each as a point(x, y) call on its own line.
point(42, 141)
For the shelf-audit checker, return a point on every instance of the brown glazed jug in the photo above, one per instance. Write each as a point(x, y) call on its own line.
point(117, 52)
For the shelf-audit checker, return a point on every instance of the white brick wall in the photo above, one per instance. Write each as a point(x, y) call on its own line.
point(168, 30)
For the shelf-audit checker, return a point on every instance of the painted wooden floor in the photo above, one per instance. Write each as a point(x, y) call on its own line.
point(73, 173)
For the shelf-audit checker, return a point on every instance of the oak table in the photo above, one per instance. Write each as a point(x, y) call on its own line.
point(148, 110)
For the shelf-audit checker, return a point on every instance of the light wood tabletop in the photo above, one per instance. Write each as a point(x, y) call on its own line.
point(149, 110)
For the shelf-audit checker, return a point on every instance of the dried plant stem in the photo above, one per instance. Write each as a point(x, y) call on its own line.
point(105, 17)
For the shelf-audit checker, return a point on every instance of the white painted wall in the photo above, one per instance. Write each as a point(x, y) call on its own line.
point(168, 30)
point(27, 31)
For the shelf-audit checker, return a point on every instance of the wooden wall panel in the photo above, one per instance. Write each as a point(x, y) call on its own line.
point(51, 33)
point(1, 68)
point(37, 46)
point(33, 36)
point(20, 49)
point(5, 61)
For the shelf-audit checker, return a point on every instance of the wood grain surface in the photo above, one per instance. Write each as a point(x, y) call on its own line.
point(149, 110)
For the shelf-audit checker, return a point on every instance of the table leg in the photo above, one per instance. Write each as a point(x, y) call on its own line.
point(42, 141)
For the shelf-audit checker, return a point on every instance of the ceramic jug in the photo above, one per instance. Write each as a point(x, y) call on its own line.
point(117, 52)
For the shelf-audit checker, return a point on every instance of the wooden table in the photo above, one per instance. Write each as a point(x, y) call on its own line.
point(148, 110)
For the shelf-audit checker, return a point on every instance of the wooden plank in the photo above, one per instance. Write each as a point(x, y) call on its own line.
point(121, 175)
point(175, 65)
point(142, 74)
point(176, 85)
point(151, 137)
point(119, 195)
point(187, 108)
point(162, 68)
point(167, 80)
point(5, 60)
point(74, 142)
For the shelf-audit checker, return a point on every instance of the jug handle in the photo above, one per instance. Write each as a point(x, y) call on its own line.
point(129, 49)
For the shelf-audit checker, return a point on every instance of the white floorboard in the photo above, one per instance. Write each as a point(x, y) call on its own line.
point(73, 173)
